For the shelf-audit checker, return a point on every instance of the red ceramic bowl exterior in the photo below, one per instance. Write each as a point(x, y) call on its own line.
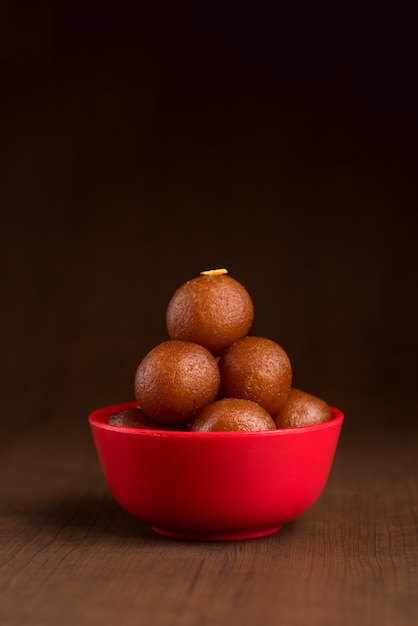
point(232, 485)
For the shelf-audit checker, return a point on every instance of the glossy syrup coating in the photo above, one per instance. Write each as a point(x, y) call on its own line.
point(175, 380)
point(213, 310)
point(134, 418)
point(257, 369)
point(232, 414)
point(302, 409)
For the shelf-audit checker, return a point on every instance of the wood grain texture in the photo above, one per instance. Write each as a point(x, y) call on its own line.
point(134, 154)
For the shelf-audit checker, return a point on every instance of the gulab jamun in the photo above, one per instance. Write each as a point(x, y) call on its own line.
point(134, 418)
point(258, 369)
point(212, 309)
point(175, 380)
point(302, 409)
point(232, 414)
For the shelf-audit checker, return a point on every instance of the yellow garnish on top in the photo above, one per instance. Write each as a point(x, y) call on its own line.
point(214, 272)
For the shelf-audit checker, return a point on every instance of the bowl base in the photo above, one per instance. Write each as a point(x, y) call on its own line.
point(217, 535)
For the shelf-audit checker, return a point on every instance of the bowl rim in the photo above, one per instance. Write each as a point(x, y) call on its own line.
point(98, 420)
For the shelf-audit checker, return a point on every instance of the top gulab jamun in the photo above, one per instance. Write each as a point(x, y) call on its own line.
point(213, 310)
point(175, 380)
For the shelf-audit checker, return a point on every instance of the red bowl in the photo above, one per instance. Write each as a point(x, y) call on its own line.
point(215, 486)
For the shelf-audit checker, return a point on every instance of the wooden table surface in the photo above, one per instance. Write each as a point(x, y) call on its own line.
point(136, 151)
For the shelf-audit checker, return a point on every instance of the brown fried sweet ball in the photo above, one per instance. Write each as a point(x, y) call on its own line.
point(175, 380)
point(257, 369)
point(134, 418)
point(302, 409)
point(232, 414)
point(212, 309)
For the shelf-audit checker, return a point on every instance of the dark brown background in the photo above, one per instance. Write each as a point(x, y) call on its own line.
point(141, 146)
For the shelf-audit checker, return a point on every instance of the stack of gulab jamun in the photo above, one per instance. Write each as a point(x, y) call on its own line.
point(210, 375)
